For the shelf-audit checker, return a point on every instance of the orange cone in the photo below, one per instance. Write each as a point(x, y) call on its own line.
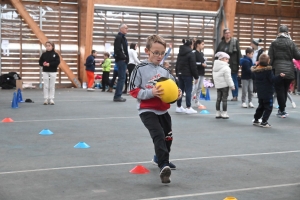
point(202, 107)
point(139, 169)
point(7, 120)
point(230, 198)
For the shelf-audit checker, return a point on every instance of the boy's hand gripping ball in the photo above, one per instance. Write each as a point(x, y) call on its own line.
point(170, 90)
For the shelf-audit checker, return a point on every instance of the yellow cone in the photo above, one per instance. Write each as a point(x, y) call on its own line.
point(230, 198)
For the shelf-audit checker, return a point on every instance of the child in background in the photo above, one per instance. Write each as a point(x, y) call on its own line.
point(153, 112)
point(106, 64)
point(223, 80)
point(201, 64)
point(90, 70)
point(264, 80)
point(246, 78)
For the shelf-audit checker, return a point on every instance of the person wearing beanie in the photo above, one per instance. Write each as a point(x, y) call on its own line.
point(223, 80)
point(230, 45)
point(186, 71)
point(282, 51)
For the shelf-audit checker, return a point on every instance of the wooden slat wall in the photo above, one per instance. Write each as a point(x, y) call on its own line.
point(173, 28)
point(60, 25)
point(291, 3)
point(249, 27)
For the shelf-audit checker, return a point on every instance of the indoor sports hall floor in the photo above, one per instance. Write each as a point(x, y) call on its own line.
point(215, 158)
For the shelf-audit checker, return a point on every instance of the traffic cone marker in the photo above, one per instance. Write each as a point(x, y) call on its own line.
point(204, 112)
point(202, 96)
point(14, 102)
point(46, 132)
point(207, 96)
point(7, 120)
point(139, 169)
point(230, 198)
point(201, 107)
point(19, 96)
point(81, 145)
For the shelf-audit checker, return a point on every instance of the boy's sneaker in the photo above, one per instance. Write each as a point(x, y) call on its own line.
point(218, 115)
point(244, 105)
point(46, 102)
point(265, 125)
point(90, 89)
point(165, 173)
point(251, 105)
point(293, 104)
point(190, 111)
point(256, 123)
point(155, 162)
point(281, 114)
point(180, 109)
point(286, 113)
point(51, 102)
point(224, 115)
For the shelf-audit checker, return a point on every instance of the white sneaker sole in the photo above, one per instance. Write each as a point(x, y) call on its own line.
point(165, 175)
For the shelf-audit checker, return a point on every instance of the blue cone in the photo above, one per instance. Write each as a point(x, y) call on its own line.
point(202, 96)
point(14, 102)
point(204, 112)
point(82, 145)
point(19, 96)
point(207, 96)
point(46, 132)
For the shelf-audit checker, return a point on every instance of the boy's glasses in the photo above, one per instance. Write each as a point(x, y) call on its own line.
point(156, 53)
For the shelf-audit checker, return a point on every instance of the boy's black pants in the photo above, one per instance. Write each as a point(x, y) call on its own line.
point(160, 129)
point(105, 80)
point(264, 109)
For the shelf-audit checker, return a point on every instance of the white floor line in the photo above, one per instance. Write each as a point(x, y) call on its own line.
point(75, 119)
point(143, 162)
point(225, 191)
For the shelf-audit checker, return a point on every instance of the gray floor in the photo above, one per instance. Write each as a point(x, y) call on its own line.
point(215, 158)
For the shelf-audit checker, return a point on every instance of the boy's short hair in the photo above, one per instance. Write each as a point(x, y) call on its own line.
point(155, 39)
point(249, 50)
point(93, 51)
point(264, 59)
point(106, 54)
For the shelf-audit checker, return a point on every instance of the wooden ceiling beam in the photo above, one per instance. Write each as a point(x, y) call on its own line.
point(43, 39)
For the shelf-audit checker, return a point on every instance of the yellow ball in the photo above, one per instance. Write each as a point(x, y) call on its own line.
point(170, 93)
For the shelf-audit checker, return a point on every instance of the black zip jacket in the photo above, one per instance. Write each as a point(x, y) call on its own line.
point(186, 62)
point(52, 58)
point(199, 61)
point(120, 48)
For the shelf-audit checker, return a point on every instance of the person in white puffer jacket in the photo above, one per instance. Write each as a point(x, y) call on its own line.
point(223, 81)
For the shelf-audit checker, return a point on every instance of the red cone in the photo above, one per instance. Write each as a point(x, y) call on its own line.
point(7, 120)
point(139, 169)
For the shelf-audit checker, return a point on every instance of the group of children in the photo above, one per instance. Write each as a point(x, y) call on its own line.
point(264, 82)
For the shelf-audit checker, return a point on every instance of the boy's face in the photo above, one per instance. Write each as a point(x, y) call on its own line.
point(95, 54)
point(250, 55)
point(105, 57)
point(155, 53)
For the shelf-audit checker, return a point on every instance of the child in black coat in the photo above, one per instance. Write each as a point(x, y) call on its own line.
point(265, 88)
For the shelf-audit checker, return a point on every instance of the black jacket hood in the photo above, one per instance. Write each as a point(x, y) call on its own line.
point(183, 50)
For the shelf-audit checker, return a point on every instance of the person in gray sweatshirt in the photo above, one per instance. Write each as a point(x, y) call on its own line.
point(152, 110)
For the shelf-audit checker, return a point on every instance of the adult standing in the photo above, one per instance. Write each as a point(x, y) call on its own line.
point(282, 51)
point(133, 61)
point(257, 52)
point(186, 70)
point(121, 59)
point(231, 46)
point(49, 60)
